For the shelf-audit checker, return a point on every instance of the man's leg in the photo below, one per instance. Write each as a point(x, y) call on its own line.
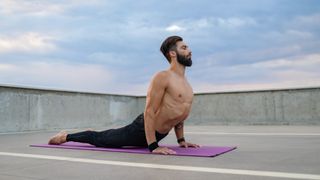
point(130, 135)
point(107, 138)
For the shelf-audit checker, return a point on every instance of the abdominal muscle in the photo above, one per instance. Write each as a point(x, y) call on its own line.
point(170, 114)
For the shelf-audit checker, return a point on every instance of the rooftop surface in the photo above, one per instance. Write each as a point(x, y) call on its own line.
point(264, 152)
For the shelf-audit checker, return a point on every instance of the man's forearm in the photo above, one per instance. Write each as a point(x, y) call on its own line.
point(178, 129)
point(149, 127)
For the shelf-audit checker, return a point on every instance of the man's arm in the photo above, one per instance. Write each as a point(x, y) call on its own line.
point(155, 95)
point(178, 129)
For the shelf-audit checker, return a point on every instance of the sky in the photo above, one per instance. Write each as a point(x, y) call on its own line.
point(113, 46)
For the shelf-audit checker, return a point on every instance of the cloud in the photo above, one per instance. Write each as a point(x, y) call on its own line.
point(42, 8)
point(297, 62)
point(76, 77)
point(36, 8)
point(110, 58)
point(28, 42)
point(128, 88)
point(6, 67)
point(57, 75)
point(234, 22)
point(240, 56)
point(313, 19)
point(300, 34)
point(174, 28)
point(247, 44)
point(211, 23)
point(297, 71)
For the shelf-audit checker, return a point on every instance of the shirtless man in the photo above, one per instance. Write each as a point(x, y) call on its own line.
point(168, 104)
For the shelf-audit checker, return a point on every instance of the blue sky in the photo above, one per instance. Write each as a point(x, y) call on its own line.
point(113, 46)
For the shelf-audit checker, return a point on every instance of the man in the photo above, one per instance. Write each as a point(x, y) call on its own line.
point(168, 104)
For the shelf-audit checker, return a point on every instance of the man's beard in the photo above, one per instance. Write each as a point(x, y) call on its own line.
point(184, 60)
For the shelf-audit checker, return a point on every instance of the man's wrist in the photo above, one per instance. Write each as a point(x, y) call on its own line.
point(181, 140)
point(153, 146)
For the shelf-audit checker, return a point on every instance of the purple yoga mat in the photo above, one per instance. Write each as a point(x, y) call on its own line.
point(203, 151)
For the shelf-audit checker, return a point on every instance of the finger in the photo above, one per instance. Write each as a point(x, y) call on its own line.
point(184, 145)
point(171, 152)
point(164, 152)
point(159, 151)
point(197, 146)
point(194, 145)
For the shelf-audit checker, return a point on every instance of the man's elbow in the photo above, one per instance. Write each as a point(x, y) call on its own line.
point(149, 113)
point(150, 109)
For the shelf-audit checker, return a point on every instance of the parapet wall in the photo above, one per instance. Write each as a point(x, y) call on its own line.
point(269, 107)
point(27, 109)
point(24, 109)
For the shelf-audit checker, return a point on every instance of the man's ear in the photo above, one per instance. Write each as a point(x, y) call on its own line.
point(172, 54)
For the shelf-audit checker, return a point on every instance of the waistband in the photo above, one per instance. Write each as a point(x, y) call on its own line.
point(140, 120)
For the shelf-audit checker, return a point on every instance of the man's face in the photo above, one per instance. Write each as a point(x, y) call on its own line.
point(183, 54)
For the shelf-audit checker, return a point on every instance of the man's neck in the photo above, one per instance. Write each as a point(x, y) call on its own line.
point(178, 68)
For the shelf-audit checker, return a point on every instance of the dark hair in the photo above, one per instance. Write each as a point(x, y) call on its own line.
point(168, 45)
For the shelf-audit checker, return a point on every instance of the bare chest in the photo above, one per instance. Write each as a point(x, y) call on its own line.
point(180, 91)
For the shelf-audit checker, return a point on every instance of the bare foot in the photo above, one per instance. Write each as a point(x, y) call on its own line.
point(59, 138)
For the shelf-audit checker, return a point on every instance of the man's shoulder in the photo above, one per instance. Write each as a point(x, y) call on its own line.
point(162, 74)
point(161, 77)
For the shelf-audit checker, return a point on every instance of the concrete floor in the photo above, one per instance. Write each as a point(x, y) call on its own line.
point(264, 150)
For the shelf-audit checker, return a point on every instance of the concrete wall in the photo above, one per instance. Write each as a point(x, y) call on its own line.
point(24, 109)
point(273, 107)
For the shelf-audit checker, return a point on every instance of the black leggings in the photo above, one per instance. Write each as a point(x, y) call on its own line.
point(130, 135)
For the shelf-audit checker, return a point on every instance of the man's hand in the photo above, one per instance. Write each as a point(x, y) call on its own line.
point(163, 150)
point(186, 145)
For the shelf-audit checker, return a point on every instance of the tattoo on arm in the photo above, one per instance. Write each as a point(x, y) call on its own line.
point(179, 125)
